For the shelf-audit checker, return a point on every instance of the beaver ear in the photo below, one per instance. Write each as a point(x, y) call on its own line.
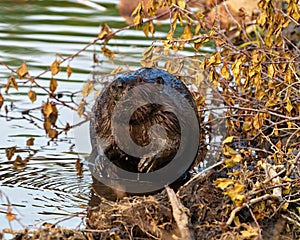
point(159, 80)
point(139, 79)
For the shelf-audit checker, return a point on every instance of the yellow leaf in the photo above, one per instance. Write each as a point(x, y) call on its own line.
point(116, 70)
point(289, 106)
point(88, 88)
point(147, 54)
point(105, 30)
point(187, 33)
point(271, 70)
point(236, 158)
point(30, 141)
point(108, 53)
point(249, 233)
point(69, 71)
point(285, 206)
point(257, 121)
point(224, 71)
point(181, 3)
point(13, 82)
point(247, 125)
point(233, 160)
point(97, 93)
point(147, 63)
point(32, 95)
point(238, 188)
point(235, 194)
point(138, 14)
point(262, 18)
point(146, 29)
point(228, 140)
point(47, 109)
point(55, 67)
point(81, 108)
point(228, 151)
point(53, 85)
point(259, 93)
point(198, 43)
point(236, 67)
point(215, 59)
point(236, 221)
point(22, 70)
point(223, 182)
point(1, 100)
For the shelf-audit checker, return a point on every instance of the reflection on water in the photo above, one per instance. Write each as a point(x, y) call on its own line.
point(40, 181)
point(46, 186)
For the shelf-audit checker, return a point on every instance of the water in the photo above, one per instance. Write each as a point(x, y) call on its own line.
point(47, 187)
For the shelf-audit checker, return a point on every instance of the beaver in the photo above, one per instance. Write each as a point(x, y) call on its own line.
point(166, 137)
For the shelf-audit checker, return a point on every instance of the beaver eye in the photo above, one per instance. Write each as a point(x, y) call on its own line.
point(117, 86)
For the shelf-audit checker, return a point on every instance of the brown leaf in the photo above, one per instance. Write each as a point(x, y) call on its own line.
point(95, 58)
point(22, 70)
point(69, 71)
point(47, 125)
point(10, 152)
point(105, 30)
point(88, 87)
point(19, 161)
point(32, 95)
point(81, 108)
point(67, 127)
point(1, 100)
point(10, 216)
point(54, 114)
point(79, 168)
point(53, 85)
point(55, 67)
point(30, 141)
point(52, 133)
point(13, 82)
point(7, 86)
point(108, 53)
point(47, 109)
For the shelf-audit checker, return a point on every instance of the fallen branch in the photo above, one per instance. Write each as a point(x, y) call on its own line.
point(179, 214)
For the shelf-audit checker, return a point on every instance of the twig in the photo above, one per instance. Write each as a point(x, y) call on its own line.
point(254, 218)
point(290, 219)
point(200, 174)
point(251, 202)
point(179, 215)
